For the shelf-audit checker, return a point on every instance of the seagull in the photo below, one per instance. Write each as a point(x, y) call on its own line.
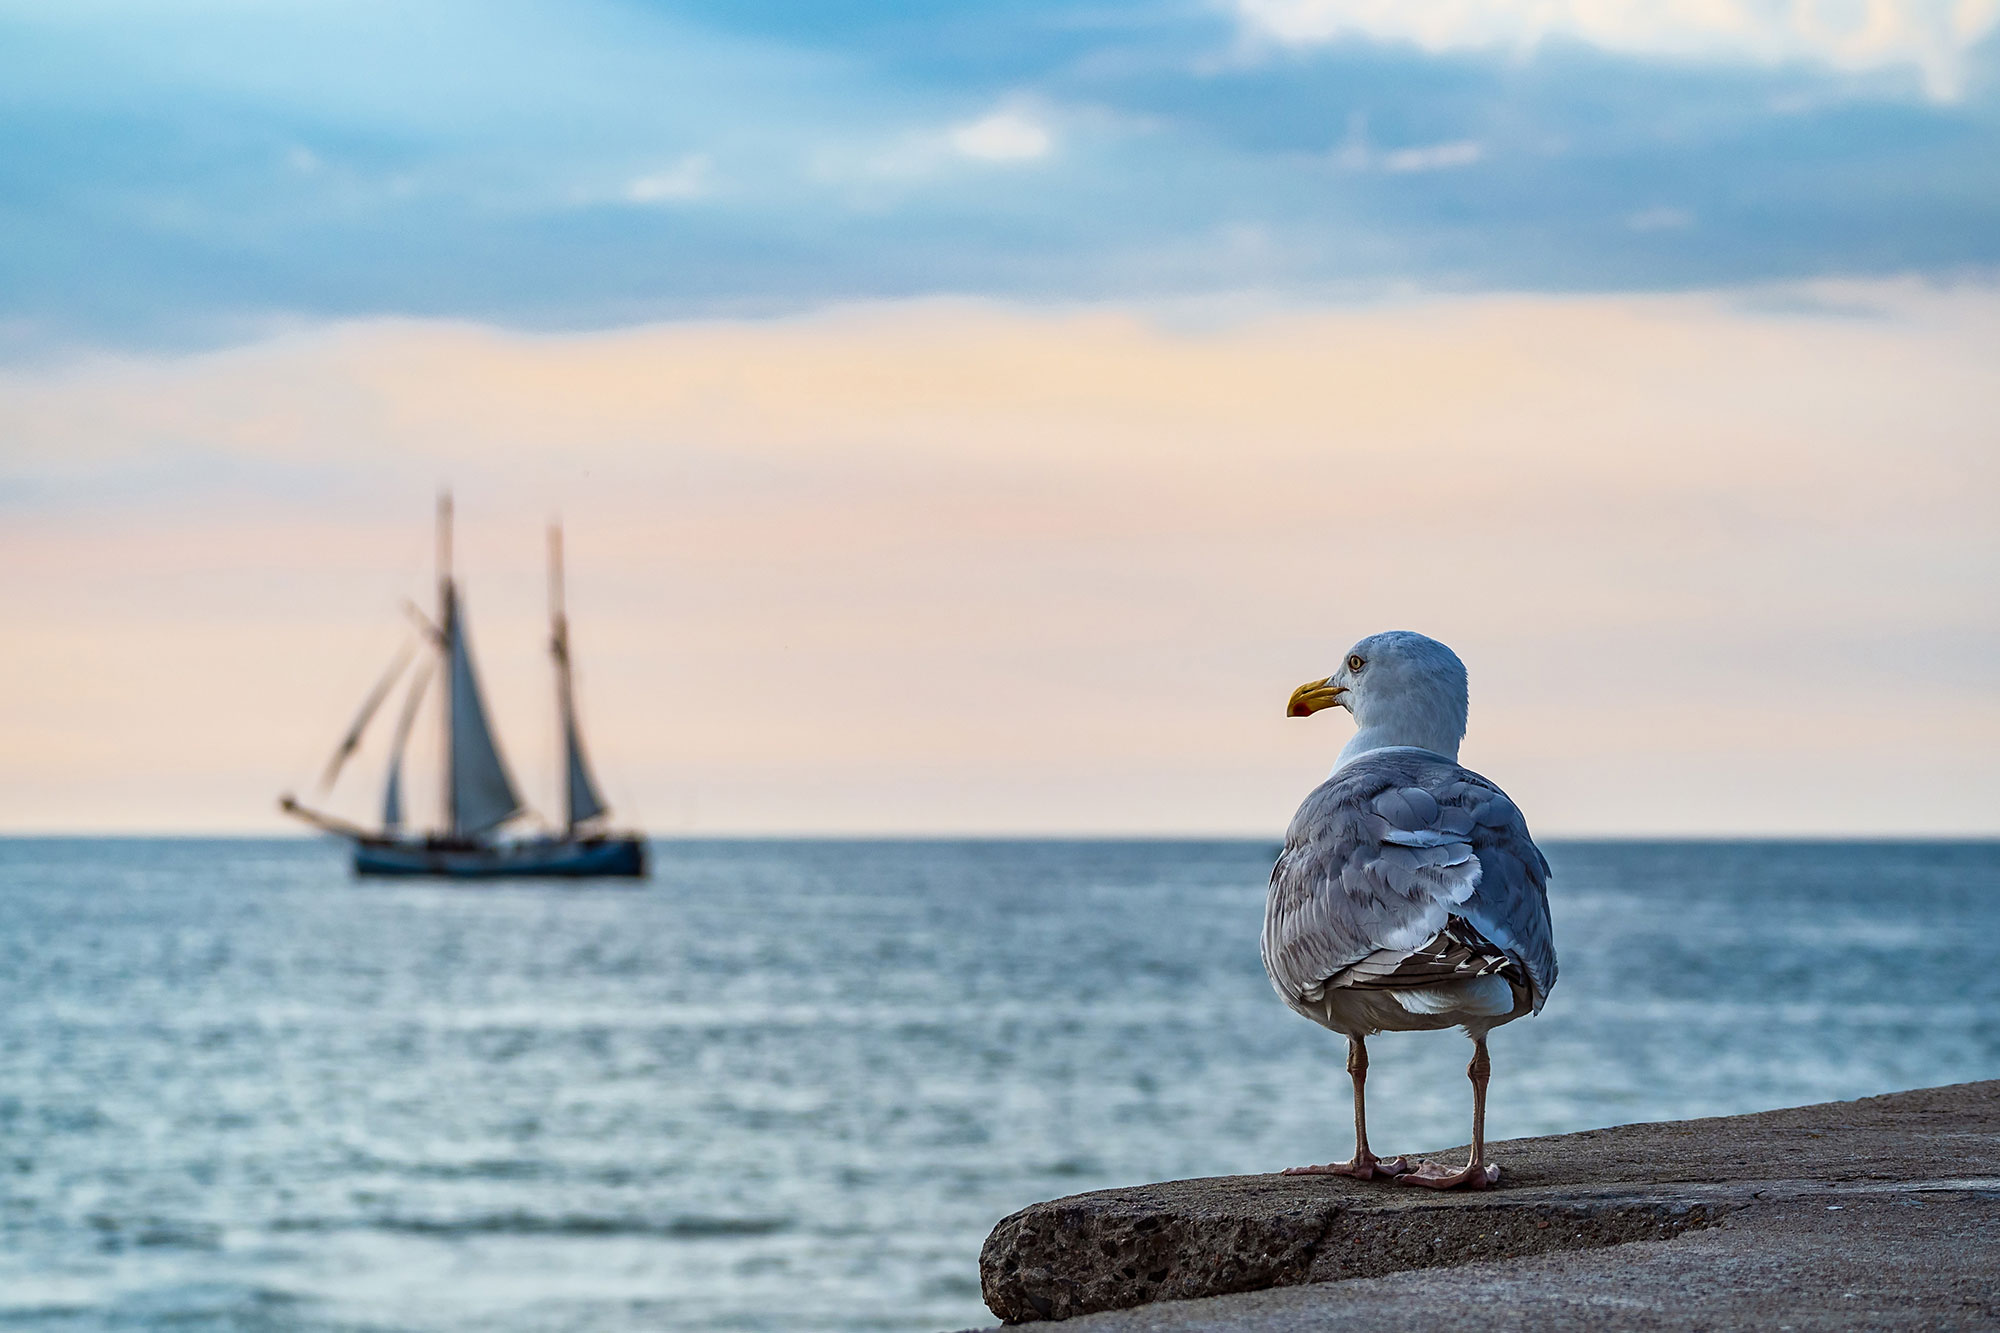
point(1409, 896)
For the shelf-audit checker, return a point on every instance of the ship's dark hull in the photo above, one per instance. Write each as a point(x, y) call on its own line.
point(612, 857)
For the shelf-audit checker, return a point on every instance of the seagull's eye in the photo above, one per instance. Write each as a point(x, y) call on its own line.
point(1354, 662)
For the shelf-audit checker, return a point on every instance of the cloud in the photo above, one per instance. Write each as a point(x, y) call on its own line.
point(1014, 133)
point(179, 173)
point(1433, 157)
point(1933, 37)
point(1356, 153)
point(1009, 135)
point(688, 179)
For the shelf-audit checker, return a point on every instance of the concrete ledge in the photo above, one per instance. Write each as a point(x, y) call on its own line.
point(1115, 1249)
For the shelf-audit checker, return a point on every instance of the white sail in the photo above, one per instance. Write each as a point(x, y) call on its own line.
point(392, 797)
point(352, 740)
point(585, 802)
point(482, 794)
point(579, 788)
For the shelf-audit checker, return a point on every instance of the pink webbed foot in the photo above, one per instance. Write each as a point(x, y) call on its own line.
point(1431, 1175)
point(1369, 1167)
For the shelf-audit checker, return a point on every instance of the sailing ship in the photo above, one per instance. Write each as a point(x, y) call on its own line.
point(478, 797)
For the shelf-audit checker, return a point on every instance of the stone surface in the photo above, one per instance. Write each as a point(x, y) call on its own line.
point(1934, 1152)
point(1918, 1259)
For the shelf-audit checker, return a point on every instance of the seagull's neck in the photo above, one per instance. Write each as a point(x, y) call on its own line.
point(1397, 738)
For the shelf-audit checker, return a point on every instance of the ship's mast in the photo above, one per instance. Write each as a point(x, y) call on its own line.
point(556, 580)
point(447, 619)
point(476, 793)
point(479, 794)
point(559, 647)
point(582, 801)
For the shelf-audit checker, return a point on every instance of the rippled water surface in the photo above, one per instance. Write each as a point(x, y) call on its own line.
point(792, 1085)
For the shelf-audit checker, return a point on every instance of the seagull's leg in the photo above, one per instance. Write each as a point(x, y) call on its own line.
point(1478, 1172)
point(1364, 1165)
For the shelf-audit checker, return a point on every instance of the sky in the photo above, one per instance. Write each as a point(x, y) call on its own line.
point(978, 418)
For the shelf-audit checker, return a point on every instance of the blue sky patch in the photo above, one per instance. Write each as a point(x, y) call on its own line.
point(197, 171)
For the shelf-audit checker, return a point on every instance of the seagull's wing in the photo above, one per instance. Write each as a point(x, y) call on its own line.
point(1404, 869)
point(1510, 907)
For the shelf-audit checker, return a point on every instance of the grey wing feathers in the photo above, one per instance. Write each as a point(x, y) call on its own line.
point(1456, 953)
point(1383, 857)
point(1511, 908)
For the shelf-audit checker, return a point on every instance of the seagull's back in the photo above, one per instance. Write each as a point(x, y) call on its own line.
point(1409, 896)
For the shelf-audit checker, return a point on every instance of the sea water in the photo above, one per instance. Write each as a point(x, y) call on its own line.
point(791, 1085)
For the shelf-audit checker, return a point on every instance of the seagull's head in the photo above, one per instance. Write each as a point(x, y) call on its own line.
point(1402, 688)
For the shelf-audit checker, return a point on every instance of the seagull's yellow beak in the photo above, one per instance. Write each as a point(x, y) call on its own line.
point(1314, 695)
